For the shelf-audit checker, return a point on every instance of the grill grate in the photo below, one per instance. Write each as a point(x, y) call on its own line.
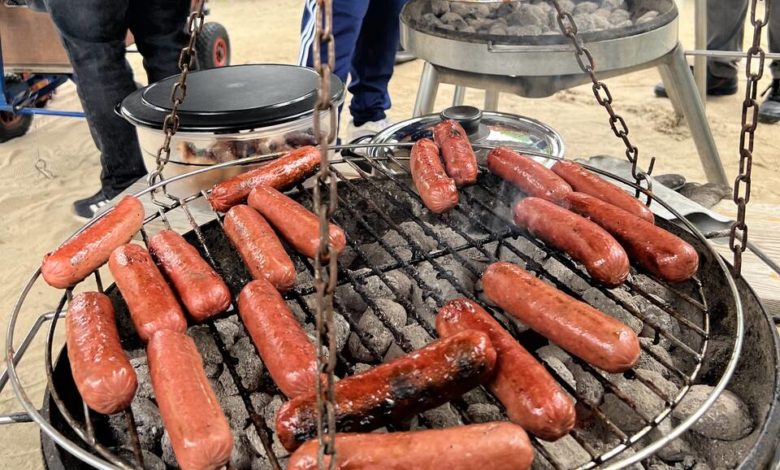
point(479, 231)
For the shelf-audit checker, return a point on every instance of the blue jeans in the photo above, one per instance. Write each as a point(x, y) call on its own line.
point(367, 35)
point(93, 33)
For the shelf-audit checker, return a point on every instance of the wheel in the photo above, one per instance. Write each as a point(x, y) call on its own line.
point(213, 47)
point(12, 124)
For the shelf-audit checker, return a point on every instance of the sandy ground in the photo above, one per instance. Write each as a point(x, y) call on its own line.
point(37, 206)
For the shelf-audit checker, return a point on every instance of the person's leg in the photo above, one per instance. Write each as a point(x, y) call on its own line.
point(158, 28)
point(725, 29)
point(774, 37)
point(93, 32)
point(769, 111)
point(373, 61)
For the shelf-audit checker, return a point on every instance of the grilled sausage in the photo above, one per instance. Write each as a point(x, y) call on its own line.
point(658, 251)
point(459, 157)
point(423, 379)
point(298, 225)
point(152, 305)
point(575, 326)
point(280, 173)
point(200, 288)
point(103, 374)
point(283, 345)
point(529, 393)
point(583, 181)
point(199, 432)
point(436, 189)
point(78, 257)
point(259, 247)
point(586, 242)
point(494, 446)
point(531, 177)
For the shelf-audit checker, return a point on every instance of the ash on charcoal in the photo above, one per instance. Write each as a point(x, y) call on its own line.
point(600, 301)
point(229, 330)
point(560, 272)
point(667, 388)
point(527, 15)
point(649, 16)
point(474, 10)
point(568, 453)
point(346, 297)
point(142, 373)
point(728, 419)
point(259, 400)
point(151, 460)
point(647, 403)
point(648, 362)
point(566, 5)
point(528, 30)
point(415, 232)
point(612, 4)
point(342, 331)
point(416, 335)
point(524, 246)
point(676, 450)
point(619, 16)
point(249, 366)
point(400, 282)
point(442, 417)
point(454, 20)
point(393, 352)
point(656, 316)
point(498, 29)
point(448, 235)
point(377, 255)
point(560, 369)
point(212, 358)
point(603, 12)
point(589, 389)
point(167, 451)
point(378, 335)
point(475, 396)
point(347, 257)
point(484, 413)
point(242, 453)
point(719, 351)
point(585, 8)
point(360, 367)
point(224, 385)
point(424, 306)
point(552, 350)
point(147, 421)
point(255, 444)
point(440, 7)
point(234, 409)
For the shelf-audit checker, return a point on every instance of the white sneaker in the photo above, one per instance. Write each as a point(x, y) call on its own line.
point(368, 128)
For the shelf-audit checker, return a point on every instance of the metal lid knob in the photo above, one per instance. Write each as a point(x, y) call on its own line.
point(467, 116)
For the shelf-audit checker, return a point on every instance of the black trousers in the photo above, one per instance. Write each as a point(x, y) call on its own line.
point(93, 32)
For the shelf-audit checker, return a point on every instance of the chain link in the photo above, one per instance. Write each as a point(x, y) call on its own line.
point(604, 98)
point(186, 63)
point(738, 237)
point(325, 264)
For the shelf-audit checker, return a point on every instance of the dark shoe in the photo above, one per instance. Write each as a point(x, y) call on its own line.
point(716, 86)
point(88, 207)
point(769, 111)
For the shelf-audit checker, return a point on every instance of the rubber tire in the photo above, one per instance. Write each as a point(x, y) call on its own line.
point(213, 47)
point(12, 126)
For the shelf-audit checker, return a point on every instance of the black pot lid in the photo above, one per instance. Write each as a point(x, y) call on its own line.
point(489, 129)
point(231, 98)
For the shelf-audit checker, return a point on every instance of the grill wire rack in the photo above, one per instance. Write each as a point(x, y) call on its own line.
point(383, 185)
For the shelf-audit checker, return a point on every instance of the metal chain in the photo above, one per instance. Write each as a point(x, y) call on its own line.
point(186, 63)
point(325, 265)
point(738, 238)
point(604, 97)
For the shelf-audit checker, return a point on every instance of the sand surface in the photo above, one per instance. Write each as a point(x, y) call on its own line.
point(37, 204)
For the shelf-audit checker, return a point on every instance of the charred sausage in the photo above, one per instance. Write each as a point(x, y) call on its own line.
point(103, 374)
point(200, 288)
point(436, 189)
point(78, 257)
point(284, 347)
point(259, 247)
point(494, 446)
point(532, 398)
point(583, 181)
point(152, 304)
point(658, 251)
point(423, 379)
point(575, 326)
point(280, 173)
point(298, 225)
point(586, 242)
point(531, 177)
point(199, 432)
point(459, 158)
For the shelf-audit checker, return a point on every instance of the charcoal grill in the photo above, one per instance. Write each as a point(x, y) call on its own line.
point(479, 231)
point(540, 65)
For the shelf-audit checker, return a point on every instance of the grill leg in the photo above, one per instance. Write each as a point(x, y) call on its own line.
point(459, 96)
point(426, 94)
point(491, 100)
point(682, 90)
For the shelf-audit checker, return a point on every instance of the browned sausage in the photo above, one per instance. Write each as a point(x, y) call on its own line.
point(280, 173)
point(529, 393)
point(459, 157)
point(586, 242)
point(152, 304)
point(420, 380)
point(259, 247)
point(436, 189)
point(583, 181)
point(199, 432)
point(531, 177)
point(494, 446)
point(103, 374)
point(658, 251)
point(200, 288)
point(298, 225)
point(283, 345)
point(575, 326)
point(78, 257)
